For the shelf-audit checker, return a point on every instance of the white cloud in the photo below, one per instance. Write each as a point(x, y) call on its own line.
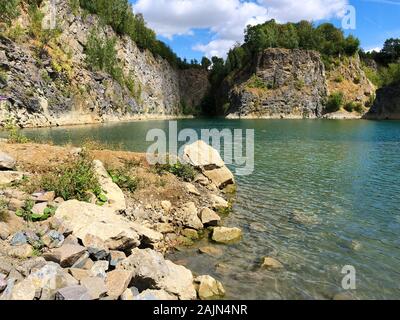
point(376, 49)
point(227, 19)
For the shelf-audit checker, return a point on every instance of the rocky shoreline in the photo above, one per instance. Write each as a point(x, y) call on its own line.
point(111, 246)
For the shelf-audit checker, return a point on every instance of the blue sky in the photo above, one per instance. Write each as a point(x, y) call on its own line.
point(194, 28)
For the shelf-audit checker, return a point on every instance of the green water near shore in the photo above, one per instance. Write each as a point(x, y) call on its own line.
point(324, 194)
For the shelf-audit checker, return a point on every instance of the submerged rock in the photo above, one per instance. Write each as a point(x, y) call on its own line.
point(226, 235)
point(271, 264)
point(209, 288)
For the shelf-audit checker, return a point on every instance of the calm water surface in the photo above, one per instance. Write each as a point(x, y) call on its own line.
point(324, 194)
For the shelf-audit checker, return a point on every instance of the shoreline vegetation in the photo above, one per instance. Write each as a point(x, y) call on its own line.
point(91, 223)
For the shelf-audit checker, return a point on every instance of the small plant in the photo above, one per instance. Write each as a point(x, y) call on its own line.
point(14, 133)
point(299, 84)
point(334, 102)
point(74, 180)
point(256, 82)
point(3, 210)
point(339, 79)
point(123, 180)
point(181, 170)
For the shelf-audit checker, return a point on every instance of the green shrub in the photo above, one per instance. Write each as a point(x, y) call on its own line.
point(9, 10)
point(36, 18)
point(256, 82)
point(102, 56)
point(391, 74)
point(14, 133)
point(181, 170)
point(354, 106)
point(334, 102)
point(16, 33)
point(74, 180)
point(339, 79)
point(373, 76)
point(26, 212)
point(123, 180)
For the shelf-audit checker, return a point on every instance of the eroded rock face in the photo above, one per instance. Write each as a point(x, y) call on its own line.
point(34, 98)
point(294, 86)
point(387, 104)
point(85, 218)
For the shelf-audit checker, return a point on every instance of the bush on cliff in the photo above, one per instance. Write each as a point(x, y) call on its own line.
point(9, 10)
point(181, 170)
point(334, 102)
point(102, 56)
point(74, 180)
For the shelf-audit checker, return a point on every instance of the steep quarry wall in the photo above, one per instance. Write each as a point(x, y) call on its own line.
point(387, 104)
point(54, 86)
point(285, 83)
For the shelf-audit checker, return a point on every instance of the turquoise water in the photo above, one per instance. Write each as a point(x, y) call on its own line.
point(324, 194)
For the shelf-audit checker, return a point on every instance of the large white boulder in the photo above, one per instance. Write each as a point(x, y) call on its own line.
point(89, 219)
point(6, 161)
point(204, 157)
point(151, 271)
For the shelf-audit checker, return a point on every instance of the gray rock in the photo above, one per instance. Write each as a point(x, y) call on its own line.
point(18, 239)
point(96, 247)
point(188, 215)
point(99, 269)
point(154, 295)
point(53, 239)
point(66, 256)
point(3, 282)
point(5, 267)
point(95, 286)
point(6, 161)
point(74, 293)
point(84, 262)
point(115, 257)
point(44, 196)
point(151, 271)
point(38, 208)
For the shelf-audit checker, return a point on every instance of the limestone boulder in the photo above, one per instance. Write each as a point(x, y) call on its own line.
point(209, 288)
point(85, 218)
point(187, 214)
point(7, 177)
point(6, 161)
point(208, 217)
point(151, 271)
point(207, 159)
point(226, 235)
point(116, 198)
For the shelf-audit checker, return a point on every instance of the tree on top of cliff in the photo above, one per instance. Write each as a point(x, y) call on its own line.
point(119, 15)
point(325, 38)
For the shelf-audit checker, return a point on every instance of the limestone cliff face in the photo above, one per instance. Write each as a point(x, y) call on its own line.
point(55, 87)
point(349, 78)
point(285, 83)
point(387, 104)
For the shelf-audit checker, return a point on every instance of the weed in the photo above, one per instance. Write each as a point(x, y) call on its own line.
point(181, 170)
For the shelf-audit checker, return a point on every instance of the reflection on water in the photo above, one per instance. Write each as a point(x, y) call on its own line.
point(324, 194)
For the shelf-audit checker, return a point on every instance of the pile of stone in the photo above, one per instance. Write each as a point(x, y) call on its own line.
point(96, 255)
point(88, 252)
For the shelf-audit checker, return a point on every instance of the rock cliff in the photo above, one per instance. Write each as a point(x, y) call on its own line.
point(283, 83)
point(386, 105)
point(52, 85)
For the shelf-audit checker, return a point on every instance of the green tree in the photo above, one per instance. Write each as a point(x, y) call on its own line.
point(205, 63)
